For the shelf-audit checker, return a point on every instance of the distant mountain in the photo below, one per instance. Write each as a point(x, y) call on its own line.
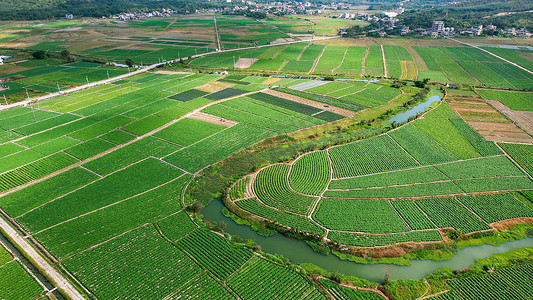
point(51, 9)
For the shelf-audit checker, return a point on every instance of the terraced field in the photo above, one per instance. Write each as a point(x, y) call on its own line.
point(403, 186)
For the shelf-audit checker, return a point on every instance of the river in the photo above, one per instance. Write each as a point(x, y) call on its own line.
point(404, 117)
point(299, 252)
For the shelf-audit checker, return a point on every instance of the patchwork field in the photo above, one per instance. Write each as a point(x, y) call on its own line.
point(130, 149)
point(403, 186)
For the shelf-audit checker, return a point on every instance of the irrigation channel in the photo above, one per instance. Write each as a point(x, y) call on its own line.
point(299, 252)
point(420, 108)
point(28, 265)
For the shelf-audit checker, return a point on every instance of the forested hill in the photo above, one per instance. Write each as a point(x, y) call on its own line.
point(502, 13)
point(50, 9)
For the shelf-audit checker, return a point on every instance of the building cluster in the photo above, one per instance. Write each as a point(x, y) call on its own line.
point(439, 30)
point(165, 12)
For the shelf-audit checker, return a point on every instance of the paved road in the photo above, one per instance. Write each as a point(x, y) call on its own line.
point(506, 60)
point(56, 277)
point(142, 70)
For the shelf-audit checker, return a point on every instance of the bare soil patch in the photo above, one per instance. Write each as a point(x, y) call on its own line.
point(212, 119)
point(215, 86)
point(271, 80)
point(524, 119)
point(337, 110)
point(245, 63)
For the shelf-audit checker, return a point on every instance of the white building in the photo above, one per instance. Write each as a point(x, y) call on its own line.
point(438, 26)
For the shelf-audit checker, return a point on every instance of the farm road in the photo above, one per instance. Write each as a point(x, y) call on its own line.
point(147, 68)
point(58, 279)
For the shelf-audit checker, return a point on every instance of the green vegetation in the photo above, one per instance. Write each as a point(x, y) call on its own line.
point(272, 188)
point(513, 100)
point(252, 282)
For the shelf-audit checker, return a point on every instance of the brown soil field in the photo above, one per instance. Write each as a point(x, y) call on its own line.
point(215, 86)
point(490, 119)
point(524, 119)
point(212, 119)
point(245, 63)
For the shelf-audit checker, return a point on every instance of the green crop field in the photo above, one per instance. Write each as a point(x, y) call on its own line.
point(374, 61)
point(367, 188)
point(16, 282)
point(292, 134)
point(513, 100)
point(128, 194)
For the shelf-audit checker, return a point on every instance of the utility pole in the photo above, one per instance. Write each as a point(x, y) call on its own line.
point(87, 78)
point(196, 51)
point(58, 89)
point(179, 57)
point(5, 98)
point(233, 62)
point(108, 74)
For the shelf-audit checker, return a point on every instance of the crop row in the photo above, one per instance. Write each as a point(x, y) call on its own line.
point(448, 212)
point(492, 286)
point(98, 226)
point(374, 95)
point(341, 292)
point(371, 216)
point(353, 61)
point(514, 100)
point(213, 253)
point(394, 56)
point(366, 240)
point(261, 279)
point(125, 266)
point(374, 61)
point(16, 283)
point(218, 147)
point(522, 154)
point(381, 154)
point(422, 147)
point(120, 185)
point(496, 207)
point(311, 173)
point(279, 217)
point(177, 225)
point(330, 59)
point(272, 188)
point(437, 60)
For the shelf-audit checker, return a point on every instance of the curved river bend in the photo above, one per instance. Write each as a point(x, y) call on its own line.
point(299, 252)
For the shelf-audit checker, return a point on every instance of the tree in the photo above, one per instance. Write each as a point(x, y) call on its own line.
point(195, 208)
point(39, 54)
point(65, 54)
point(129, 62)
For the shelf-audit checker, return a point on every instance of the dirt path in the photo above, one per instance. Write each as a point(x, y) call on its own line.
point(317, 60)
point(385, 73)
point(171, 23)
point(59, 280)
point(220, 47)
point(342, 61)
point(364, 61)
